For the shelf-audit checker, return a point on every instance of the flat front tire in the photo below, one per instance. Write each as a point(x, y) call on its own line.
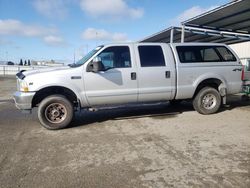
point(55, 112)
point(207, 101)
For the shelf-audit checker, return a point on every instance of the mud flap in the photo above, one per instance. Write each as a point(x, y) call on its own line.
point(223, 94)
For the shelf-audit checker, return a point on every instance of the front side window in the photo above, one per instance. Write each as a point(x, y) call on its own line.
point(151, 56)
point(116, 57)
point(195, 54)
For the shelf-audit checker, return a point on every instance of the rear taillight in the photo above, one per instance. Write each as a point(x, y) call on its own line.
point(243, 73)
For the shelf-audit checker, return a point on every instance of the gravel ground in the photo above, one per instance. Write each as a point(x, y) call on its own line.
point(143, 146)
point(7, 86)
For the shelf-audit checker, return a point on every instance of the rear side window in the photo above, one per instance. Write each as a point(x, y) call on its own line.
point(151, 56)
point(209, 55)
point(194, 54)
point(226, 54)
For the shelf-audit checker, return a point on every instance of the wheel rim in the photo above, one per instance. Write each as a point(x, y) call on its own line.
point(56, 113)
point(209, 101)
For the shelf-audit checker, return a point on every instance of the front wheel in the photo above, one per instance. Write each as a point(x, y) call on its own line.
point(207, 101)
point(55, 112)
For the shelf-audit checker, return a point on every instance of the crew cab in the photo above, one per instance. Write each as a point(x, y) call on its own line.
point(117, 74)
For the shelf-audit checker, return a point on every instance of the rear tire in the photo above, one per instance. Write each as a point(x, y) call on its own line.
point(55, 112)
point(207, 101)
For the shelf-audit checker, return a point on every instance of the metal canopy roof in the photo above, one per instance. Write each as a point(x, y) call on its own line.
point(228, 24)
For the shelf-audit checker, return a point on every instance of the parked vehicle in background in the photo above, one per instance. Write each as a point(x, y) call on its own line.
point(10, 63)
point(132, 73)
point(246, 82)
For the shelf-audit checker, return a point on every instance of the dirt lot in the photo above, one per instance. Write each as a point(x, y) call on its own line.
point(144, 146)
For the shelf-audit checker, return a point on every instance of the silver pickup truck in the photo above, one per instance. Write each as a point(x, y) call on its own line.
point(132, 73)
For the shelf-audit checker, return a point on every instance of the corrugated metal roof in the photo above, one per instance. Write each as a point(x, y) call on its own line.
point(216, 26)
point(234, 16)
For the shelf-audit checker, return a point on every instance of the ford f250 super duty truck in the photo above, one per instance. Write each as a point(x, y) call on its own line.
point(132, 73)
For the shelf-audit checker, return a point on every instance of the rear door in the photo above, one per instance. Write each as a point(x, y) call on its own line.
point(155, 74)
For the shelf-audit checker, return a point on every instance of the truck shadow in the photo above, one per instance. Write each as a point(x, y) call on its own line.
point(156, 111)
point(236, 101)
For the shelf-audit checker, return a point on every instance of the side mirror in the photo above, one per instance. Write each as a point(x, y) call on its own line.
point(97, 65)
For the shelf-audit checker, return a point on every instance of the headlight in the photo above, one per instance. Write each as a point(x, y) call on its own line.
point(23, 86)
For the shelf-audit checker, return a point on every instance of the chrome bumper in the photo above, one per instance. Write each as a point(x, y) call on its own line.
point(23, 100)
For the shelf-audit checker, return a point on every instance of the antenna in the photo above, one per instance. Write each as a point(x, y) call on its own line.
point(74, 56)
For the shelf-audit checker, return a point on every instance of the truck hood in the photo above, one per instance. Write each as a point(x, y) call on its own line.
point(45, 70)
point(44, 77)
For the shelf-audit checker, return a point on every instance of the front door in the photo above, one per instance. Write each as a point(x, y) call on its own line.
point(117, 83)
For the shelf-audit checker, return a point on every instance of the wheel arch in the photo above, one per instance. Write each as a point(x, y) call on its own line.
point(53, 90)
point(216, 83)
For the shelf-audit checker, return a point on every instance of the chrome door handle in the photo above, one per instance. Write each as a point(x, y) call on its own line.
point(167, 74)
point(133, 75)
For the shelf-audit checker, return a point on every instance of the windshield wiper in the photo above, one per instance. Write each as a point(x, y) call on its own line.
point(74, 65)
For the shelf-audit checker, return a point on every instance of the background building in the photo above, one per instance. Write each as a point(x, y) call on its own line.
point(229, 24)
point(243, 51)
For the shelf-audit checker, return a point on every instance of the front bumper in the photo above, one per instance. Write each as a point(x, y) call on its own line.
point(23, 100)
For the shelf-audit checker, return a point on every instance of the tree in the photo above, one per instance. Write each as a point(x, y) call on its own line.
point(25, 63)
point(29, 63)
point(21, 62)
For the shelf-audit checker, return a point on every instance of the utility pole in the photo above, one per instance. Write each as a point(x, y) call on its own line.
point(86, 49)
point(6, 56)
point(74, 56)
point(96, 38)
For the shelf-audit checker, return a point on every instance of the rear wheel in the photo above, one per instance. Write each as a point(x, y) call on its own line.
point(55, 112)
point(207, 101)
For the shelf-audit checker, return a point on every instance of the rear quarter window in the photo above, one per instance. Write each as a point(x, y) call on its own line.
point(226, 54)
point(200, 54)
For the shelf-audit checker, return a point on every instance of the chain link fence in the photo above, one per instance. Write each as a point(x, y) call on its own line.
point(8, 70)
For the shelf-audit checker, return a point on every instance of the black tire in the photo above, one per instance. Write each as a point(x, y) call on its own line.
point(207, 101)
point(55, 112)
point(245, 98)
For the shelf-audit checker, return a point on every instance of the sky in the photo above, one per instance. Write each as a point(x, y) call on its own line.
point(64, 29)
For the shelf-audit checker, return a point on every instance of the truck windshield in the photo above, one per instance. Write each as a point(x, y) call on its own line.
point(86, 57)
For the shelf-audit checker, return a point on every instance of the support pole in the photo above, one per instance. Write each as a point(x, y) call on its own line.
point(172, 35)
point(183, 34)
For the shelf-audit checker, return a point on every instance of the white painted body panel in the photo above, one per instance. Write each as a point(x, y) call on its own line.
point(110, 87)
point(152, 82)
point(190, 75)
point(115, 86)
